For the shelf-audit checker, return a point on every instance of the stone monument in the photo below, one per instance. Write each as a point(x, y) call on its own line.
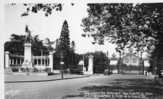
point(90, 65)
point(27, 50)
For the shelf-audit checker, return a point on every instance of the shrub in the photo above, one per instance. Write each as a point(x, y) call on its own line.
point(107, 72)
point(47, 70)
point(35, 70)
point(15, 69)
point(76, 70)
point(50, 73)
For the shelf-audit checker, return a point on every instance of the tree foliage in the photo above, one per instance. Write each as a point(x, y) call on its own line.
point(64, 37)
point(63, 46)
point(48, 43)
point(64, 40)
point(46, 8)
point(100, 62)
point(128, 25)
point(16, 45)
point(124, 24)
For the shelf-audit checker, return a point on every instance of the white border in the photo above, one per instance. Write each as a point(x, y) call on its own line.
point(1, 50)
point(83, 1)
point(47, 1)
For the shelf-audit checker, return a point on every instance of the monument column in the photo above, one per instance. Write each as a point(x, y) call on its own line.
point(27, 55)
point(6, 59)
point(90, 64)
point(27, 50)
point(51, 61)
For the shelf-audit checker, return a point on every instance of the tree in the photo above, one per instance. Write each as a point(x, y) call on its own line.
point(127, 25)
point(48, 43)
point(38, 48)
point(47, 8)
point(63, 43)
point(100, 62)
point(64, 37)
point(72, 55)
point(157, 54)
point(63, 46)
point(72, 47)
point(16, 45)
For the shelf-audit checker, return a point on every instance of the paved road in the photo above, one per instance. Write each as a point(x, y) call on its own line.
point(22, 78)
point(93, 87)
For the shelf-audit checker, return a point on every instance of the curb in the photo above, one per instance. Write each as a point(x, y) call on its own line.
point(44, 80)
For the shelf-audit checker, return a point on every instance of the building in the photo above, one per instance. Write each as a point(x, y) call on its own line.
point(131, 59)
point(130, 63)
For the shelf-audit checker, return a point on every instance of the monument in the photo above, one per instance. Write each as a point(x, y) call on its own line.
point(90, 65)
point(27, 50)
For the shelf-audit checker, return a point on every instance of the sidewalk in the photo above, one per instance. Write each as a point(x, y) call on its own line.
point(39, 78)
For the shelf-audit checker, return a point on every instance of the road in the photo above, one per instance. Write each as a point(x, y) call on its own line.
point(93, 87)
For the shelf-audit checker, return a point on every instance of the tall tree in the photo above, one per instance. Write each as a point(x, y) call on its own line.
point(126, 25)
point(64, 37)
point(63, 44)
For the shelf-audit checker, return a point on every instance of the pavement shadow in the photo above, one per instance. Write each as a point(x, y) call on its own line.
point(141, 85)
point(121, 89)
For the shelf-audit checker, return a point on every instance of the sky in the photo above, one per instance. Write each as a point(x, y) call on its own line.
point(50, 27)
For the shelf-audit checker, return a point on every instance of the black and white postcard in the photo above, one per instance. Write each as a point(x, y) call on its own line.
point(82, 50)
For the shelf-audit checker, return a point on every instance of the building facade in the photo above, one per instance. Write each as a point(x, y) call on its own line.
point(129, 63)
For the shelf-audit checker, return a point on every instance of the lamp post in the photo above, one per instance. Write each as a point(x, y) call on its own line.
point(158, 72)
point(62, 64)
point(119, 64)
point(141, 58)
point(108, 63)
point(83, 61)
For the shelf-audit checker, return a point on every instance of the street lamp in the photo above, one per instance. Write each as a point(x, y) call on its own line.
point(108, 63)
point(62, 64)
point(141, 61)
point(84, 69)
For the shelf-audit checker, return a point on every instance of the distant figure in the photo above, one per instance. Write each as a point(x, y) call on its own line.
point(28, 35)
